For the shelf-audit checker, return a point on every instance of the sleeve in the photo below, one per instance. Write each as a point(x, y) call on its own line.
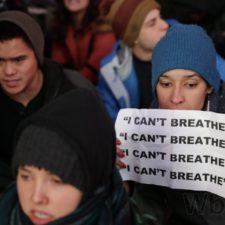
point(108, 98)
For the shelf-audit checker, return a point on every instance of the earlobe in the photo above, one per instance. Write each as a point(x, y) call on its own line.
point(135, 42)
point(209, 90)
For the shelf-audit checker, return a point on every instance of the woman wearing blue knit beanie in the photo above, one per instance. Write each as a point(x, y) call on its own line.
point(186, 54)
point(184, 76)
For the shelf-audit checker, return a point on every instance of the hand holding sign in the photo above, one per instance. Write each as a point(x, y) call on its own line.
point(119, 154)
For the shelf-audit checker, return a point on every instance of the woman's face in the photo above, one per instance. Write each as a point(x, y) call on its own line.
point(182, 89)
point(76, 5)
point(43, 196)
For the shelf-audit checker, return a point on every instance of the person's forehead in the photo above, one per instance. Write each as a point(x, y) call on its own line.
point(182, 73)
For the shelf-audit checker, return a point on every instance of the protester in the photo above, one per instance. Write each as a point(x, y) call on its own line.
point(27, 80)
point(125, 78)
point(184, 77)
point(80, 37)
point(13, 5)
point(64, 161)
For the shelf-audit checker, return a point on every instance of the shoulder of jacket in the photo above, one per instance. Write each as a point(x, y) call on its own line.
point(119, 54)
point(78, 80)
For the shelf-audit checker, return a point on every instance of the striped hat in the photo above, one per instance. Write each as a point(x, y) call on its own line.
point(127, 17)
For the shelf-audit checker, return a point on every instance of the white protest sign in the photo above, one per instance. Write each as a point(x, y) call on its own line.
point(182, 149)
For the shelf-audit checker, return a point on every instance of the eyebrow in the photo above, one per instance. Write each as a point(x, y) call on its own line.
point(186, 75)
point(14, 58)
point(23, 168)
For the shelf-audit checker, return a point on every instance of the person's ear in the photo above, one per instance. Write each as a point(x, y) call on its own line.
point(209, 90)
point(136, 42)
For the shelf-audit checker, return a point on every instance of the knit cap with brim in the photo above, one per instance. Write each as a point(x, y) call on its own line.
point(73, 137)
point(186, 47)
point(127, 17)
point(30, 27)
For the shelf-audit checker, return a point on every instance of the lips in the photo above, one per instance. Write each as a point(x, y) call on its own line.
point(11, 83)
point(40, 218)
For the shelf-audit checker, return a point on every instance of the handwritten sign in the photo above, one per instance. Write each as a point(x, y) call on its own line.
point(182, 149)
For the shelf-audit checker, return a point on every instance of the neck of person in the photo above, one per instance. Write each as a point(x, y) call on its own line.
point(142, 54)
point(77, 18)
point(26, 96)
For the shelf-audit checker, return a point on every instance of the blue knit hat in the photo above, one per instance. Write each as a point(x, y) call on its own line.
point(186, 47)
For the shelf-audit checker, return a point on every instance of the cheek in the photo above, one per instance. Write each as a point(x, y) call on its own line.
point(29, 66)
point(155, 36)
point(198, 96)
point(199, 102)
point(1, 74)
point(163, 101)
point(23, 195)
point(20, 188)
point(162, 94)
point(145, 36)
point(66, 202)
point(29, 71)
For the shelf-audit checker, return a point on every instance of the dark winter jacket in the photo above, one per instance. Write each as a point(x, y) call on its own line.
point(165, 206)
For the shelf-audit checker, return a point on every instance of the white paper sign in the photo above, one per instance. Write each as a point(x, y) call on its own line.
point(182, 149)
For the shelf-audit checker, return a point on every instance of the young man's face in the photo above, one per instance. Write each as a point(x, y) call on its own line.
point(19, 71)
point(182, 89)
point(152, 30)
point(44, 197)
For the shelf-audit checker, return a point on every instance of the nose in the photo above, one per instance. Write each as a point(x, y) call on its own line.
point(39, 195)
point(164, 25)
point(9, 69)
point(177, 96)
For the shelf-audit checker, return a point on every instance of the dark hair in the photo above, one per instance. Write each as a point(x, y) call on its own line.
point(10, 31)
point(62, 17)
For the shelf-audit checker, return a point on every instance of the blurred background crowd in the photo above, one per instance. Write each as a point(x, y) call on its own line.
point(210, 14)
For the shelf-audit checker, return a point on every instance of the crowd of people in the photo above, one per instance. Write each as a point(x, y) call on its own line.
point(62, 86)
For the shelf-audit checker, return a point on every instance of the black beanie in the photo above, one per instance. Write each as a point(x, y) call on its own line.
point(82, 126)
point(43, 148)
point(30, 27)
